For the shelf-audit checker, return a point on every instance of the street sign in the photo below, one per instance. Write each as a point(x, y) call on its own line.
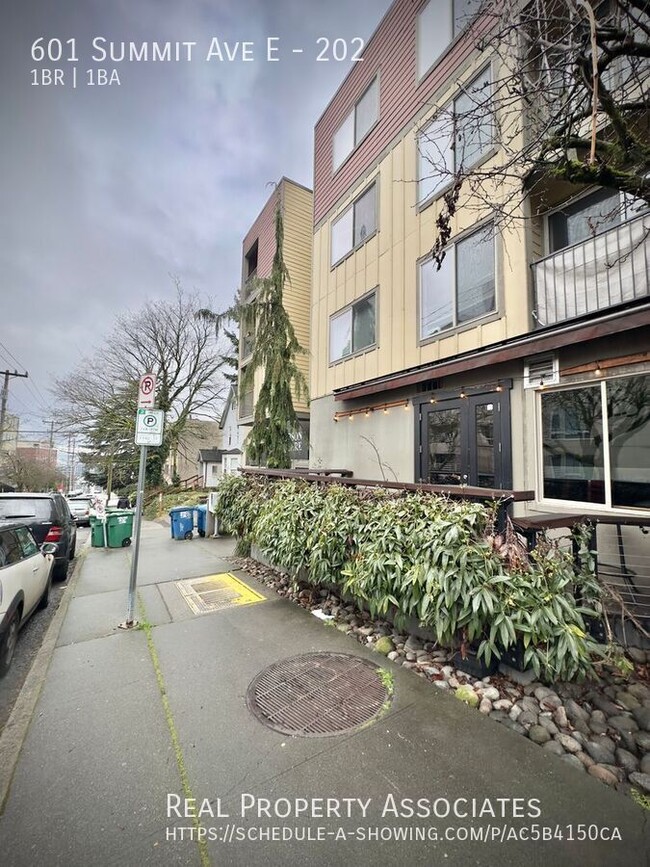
point(149, 425)
point(147, 391)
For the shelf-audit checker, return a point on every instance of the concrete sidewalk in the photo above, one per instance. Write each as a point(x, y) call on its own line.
point(129, 724)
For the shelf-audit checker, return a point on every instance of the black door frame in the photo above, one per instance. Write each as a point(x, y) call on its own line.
point(497, 393)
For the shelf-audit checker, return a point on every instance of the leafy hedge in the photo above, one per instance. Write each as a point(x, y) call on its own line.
point(425, 557)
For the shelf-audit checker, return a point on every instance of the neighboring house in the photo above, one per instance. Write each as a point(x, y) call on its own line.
point(182, 459)
point(40, 451)
point(258, 250)
point(214, 463)
point(523, 362)
point(231, 434)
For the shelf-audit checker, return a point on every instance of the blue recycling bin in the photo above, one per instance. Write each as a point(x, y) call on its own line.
point(182, 522)
point(201, 518)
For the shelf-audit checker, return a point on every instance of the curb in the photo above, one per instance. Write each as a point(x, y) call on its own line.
point(15, 731)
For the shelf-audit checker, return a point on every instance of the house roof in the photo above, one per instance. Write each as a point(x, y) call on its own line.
point(208, 456)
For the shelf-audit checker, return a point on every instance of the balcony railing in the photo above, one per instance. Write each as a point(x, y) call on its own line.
point(609, 269)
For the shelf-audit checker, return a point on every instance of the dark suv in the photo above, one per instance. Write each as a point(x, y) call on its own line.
point(49, 519)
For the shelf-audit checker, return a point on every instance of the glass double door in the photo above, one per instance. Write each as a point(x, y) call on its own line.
point(466, 442)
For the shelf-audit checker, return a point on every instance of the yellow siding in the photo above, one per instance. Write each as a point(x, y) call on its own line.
point(389, 261)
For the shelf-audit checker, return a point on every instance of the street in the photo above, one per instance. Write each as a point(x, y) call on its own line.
point(31, 638)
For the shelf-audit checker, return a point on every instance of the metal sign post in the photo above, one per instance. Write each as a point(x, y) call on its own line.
point(149, 425)
point(130, 608)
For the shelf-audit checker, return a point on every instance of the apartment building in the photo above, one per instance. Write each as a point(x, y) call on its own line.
point(258, 250)
point(522, 362)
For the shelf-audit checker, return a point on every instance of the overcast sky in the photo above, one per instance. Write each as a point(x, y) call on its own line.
point(109, 190)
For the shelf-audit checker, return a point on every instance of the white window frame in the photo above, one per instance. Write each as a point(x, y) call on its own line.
point(345, 215)
point(351, 120)
point(449, 150)
point(607, 506)
point(349, 308)
point(467, 323)
point(453, 32)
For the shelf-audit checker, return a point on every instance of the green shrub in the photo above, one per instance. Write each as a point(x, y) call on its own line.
point(430, 558)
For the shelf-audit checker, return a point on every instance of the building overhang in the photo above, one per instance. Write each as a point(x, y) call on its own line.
point(544, 340)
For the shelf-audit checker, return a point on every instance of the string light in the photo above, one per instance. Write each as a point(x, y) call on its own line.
point(406, 405)
point(462, 393)
point(598, 371)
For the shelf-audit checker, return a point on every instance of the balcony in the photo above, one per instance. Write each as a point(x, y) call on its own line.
point(608, 269)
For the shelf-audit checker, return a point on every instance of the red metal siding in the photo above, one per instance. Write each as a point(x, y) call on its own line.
point(263, 231)
point(392, 53)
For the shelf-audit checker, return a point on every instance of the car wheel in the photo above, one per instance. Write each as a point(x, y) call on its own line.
point(9, 643)
point(61, 569)
point(43, 602)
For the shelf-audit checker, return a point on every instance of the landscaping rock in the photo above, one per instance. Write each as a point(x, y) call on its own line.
point(626, 760)
point(393, 655)
point(600, 752)
point(441, 684)
point(547, 723)
point(413, 643)
point(642, 717)
point(526, 718)
point(642, 740)
point(410, 656)
point(385, 646)
point(586, 760)
point(574, 761)
point(529, 703)
point(559, 715)
point(568, 743)
point(627, 700)
point(637, 655)
point(514, 726)
point(554, 747)
point(503, 704)
point(551, 702)
point(485, 706)
point(541, 692)
point(515, 712)
point(539, 735)
point(454, 683)
point(408, 664)
point(639, 690)
point(606, 706)
point(597, 726)
point(603, 775)
point(641, 781)
point(574, 711)
point(622, 724)
point(492, 693)
point(499, 715)
point(644, 765)
point(467, 694)
point(578, 736)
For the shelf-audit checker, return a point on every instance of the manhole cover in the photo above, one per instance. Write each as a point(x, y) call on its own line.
point(317, 694)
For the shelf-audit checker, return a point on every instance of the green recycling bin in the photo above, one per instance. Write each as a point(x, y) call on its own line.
point(97, 539)
point(119, 528)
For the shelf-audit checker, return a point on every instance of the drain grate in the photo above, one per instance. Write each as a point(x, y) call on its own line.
point(317, 694)
point(215, 592)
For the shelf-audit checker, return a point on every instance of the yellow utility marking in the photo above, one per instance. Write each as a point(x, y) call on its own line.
point(216, 592)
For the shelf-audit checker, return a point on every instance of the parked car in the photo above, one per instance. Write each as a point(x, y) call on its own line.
point(80, 508)
point(49, 519)
point(25, 581)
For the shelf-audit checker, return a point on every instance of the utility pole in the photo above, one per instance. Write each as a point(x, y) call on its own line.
point(51, 424)
point(3, 400)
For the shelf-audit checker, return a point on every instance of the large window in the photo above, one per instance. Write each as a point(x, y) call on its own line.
point(462, 289)
point(457, 138)
point(355, 226)
point(596, 443)
point(356, 125)
point(439, 22)
point(354, 328)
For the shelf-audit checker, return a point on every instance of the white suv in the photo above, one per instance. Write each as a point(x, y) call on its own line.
point(25, 581)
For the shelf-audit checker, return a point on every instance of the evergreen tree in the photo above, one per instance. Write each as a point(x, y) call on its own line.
point(274, 352)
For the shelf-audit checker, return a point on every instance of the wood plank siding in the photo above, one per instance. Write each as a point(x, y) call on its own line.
point(296, 202)
point(391, 52)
